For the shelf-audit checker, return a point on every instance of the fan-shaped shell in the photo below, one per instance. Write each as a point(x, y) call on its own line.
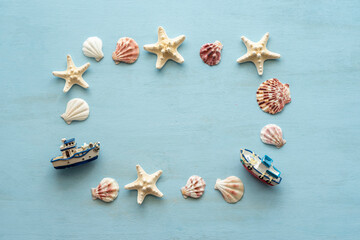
point(92, 47)
point(106, 191)
point(194, 187)
point(231, 188)
point(127, 50)
point(272, 95)
point(272, 134)
point(210, 53)
point(76, 109)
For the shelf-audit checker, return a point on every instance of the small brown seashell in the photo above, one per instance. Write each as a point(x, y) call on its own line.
point(210, 53)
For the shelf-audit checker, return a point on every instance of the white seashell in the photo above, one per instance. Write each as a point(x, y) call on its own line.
point(92, 47)
point(106, 191)
point(272, 134)
point(76, 109)
point(194, 187)
point(231, 188)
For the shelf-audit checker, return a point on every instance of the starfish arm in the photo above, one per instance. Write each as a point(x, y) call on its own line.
point(247, 42)
point(244, 58)
point(177, 57)
point(131, 186)
point(82, 83)
point(140, 171)
point(60, 74)
point(271, 55)
point(260, 67)
point(84, 67)
point(141, 196)
point(69, 61)
point(151, 48)
point(67, 86)
point(264, 39)
point(178, 40)
point(161, 34)
point(156, 192)
point(156, 175)
point(160, 62)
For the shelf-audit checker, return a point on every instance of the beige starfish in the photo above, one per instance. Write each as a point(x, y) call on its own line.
point(72, 75)
point(166, 48)
point(145, 184)
point(257, 53)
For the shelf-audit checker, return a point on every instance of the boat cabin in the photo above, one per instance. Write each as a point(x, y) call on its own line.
point(68, 148)
point(272, 171)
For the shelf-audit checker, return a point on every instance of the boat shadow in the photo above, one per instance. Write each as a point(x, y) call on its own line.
point(68, 177)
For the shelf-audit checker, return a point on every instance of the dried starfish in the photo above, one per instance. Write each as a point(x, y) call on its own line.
point(145, 184)
point(257, 53)
point(166, 48)
point(72, 75)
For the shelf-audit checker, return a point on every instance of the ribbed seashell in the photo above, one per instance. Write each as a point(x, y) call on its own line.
point(210, 53)
point(127, 50)
point(92, 47)
point(272, 134)
point(194, 187)
point(106, 191)
point(272, 95)
point(76, 109)
point(231, 188)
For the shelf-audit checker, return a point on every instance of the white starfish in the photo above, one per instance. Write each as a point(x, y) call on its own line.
point(72, 75)
point(257, 53)
point(145, 184)
point(166, 48)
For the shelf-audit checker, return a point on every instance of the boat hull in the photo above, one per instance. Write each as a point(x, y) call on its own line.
point(78, 159)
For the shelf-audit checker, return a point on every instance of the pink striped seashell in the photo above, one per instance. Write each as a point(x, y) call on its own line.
point(107, 190)
point(194, 187)
point(210, 53)
point(272, 95)
point(272, 134)
point(127, 51)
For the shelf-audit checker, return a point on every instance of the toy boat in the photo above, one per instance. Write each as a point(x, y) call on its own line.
point(261, 168)
point(72, 156)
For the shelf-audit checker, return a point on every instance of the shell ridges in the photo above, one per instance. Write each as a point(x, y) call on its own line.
point(231, 188)
point(92, 47)
point(106, 191)
point(127, 51)
point(272, 134)
point(210, 53)
point(272, 95)
point(194, 187)
point(76, 109)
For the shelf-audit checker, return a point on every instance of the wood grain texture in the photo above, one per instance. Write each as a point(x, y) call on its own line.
point(184, 119)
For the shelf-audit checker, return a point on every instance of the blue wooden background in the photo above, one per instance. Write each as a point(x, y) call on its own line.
point(185, 119)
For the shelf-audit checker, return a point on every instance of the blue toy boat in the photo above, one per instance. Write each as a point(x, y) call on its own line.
point(261, 168)
point(72, 156)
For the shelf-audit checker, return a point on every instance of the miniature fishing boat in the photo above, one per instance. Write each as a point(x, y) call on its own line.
point(261, 168)
point(72, 156)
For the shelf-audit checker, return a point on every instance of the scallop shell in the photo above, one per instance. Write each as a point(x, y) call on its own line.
point(106, 191)
point(210, 53)
point(272, 95)
point(272, 134)
point(76, 109)
point(127, 50)
point(231, 188)
point(194, 187)
point(92, 47)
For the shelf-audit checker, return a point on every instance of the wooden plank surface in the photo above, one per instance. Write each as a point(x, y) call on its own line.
point(184, 119)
